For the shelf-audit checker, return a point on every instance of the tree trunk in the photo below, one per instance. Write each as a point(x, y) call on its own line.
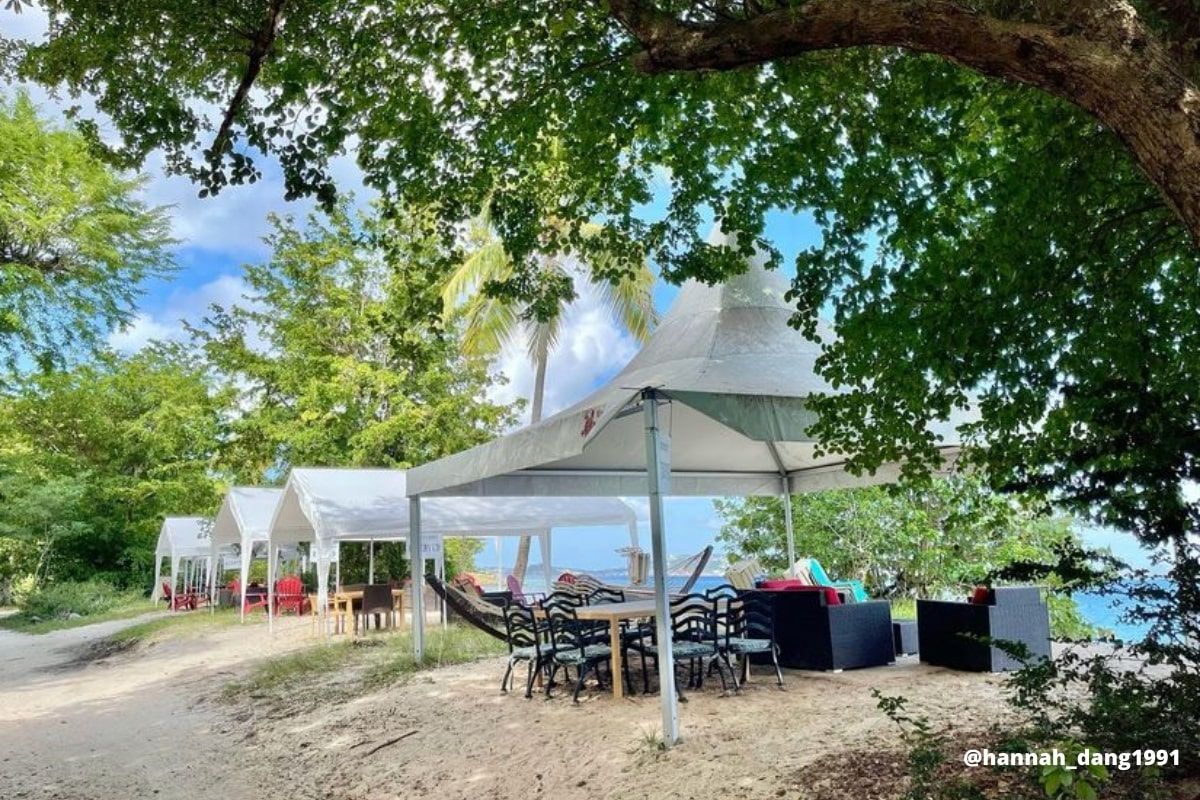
point(535, 416)
point(1098, 56)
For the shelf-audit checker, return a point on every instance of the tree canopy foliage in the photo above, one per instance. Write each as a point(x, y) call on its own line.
point(337, 354)
point(94, 457)
point(979, 237)
point(76, 241)
point(908, 543)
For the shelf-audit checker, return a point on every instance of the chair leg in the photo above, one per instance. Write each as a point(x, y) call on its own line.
point(775, 661)
point(645, 675)
point(625, 672)
point(504, 681)
point(583, 669)
point(529, 678)
point(550, 680)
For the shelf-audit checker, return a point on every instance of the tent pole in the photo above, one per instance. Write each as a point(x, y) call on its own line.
point(417, 571)
point(174, 570)
point(337, 570)
point(547, 573)
point(371, 561)
point(499, 566)
point(658, 472)
point(212, 583)
point(271, 552)
point(246, 555)
point(440, 567)
point(155, 589)
point(787, 524)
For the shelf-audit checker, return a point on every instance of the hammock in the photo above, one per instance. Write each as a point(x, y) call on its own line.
point(693, 566)
point(479, 613)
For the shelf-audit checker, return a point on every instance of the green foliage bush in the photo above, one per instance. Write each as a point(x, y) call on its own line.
point(82, 598)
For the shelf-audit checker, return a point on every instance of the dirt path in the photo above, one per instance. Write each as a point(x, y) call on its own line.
point(128, 726)
point(145, 724)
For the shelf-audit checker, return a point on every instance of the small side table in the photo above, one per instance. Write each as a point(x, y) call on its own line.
point(904, 632)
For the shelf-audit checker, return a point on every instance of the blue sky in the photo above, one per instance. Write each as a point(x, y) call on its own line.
point(217, 236)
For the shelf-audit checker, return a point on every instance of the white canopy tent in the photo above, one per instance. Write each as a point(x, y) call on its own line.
point(244, 519)
point(328, 506)
point(181, 538)
point(713, 405)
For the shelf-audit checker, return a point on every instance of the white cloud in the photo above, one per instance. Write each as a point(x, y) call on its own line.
point(591, 348)
point(190, 304)
point(139, 332)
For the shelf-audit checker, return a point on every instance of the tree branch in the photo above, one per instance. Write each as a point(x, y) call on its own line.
point(260, 49)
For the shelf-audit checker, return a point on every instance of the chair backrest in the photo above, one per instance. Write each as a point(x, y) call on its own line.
point(560, 600)
point(605, 595)
point(520, 627)
point(167, 590)
point(750, 616)
point(725, 591)
point(234, 586)
point(291, 585)
point(514, 586)
point(377, 599)
point(693, 618)
point(744, 573)
point(568, 631)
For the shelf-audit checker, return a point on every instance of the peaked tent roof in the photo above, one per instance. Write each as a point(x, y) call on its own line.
point(325, 505)
point(735, 376)
point(245, 516)
point(184, 537)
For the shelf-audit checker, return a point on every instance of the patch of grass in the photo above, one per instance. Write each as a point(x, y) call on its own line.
point(346, 669)
point(904, 608)
point(181, 624)
point(27, 622)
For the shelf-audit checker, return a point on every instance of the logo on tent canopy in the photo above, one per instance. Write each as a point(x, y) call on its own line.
point(590, 417)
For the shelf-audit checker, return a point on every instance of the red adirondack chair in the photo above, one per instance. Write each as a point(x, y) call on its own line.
point(177, 601)
point(289, 595)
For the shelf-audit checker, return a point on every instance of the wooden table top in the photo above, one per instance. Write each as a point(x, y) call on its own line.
point(630, 609)
point(356, 594)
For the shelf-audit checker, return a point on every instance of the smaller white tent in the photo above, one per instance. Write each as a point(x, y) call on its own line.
point(181, 538)
point(327, 506)
point(244, 519)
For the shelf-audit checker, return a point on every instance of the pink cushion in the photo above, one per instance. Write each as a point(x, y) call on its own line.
point(792, 585)
point(781, 583)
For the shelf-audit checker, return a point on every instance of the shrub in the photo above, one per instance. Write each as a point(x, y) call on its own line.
point(82, 598)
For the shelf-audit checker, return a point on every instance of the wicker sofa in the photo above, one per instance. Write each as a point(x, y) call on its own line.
point(815, 630)
point(949, 633)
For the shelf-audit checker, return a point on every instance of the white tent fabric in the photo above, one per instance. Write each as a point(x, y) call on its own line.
point(244, 519)
point(180, 538)
point(328, 506)
point(714, 404)
point(733, 377)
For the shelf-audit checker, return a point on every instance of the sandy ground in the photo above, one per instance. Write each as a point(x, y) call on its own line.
point(127, 726)
point(148, 724)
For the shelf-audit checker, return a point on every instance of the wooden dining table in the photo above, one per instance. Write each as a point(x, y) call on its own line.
point(343, 603)
point(614, 614)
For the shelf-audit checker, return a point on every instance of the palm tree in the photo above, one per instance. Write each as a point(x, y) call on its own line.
point(491, 323)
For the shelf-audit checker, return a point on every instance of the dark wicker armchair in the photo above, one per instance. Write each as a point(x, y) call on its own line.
point(815, 631)
point(952, 634)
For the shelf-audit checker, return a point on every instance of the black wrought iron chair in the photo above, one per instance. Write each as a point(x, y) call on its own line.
point(694, 641)
point(726, 591)
point(571, 645)
point(605, 595)
point(524, 644)
point(747, 627)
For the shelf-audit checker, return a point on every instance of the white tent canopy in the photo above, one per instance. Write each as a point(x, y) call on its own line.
point(714, 404)
point(327, 506)
point(244, 519)
point(180, 538)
